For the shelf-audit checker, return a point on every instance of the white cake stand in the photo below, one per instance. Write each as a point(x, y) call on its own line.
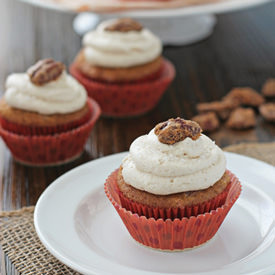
point(179, 26)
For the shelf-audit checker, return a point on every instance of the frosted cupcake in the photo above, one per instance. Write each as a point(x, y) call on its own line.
point(121, 66)
point(173, 180)
point(45, 114)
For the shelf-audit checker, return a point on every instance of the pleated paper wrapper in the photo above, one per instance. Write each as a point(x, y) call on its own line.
point(127, 99)
point(168, 234)
point(173, 213)
point(37, 150)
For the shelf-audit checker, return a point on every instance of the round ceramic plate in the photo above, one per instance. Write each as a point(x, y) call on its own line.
point(223, 6)
point(79, 226)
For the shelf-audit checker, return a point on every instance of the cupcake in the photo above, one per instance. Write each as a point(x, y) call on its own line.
point(121, 67)
point(45, 115)
point(173, 190)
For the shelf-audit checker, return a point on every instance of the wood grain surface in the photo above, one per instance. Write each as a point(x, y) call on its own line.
point(239, 53)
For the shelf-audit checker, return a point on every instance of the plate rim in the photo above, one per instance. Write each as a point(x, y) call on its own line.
point(78, 267)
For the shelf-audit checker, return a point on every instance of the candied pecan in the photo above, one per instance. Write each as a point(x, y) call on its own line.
point(244, 96)
point(45, 71)
point(208, 121)
point(124, 25)
point(175, 130)
point(221, 108)
point(268, 89)
point(223, 115)
point(241, 118)
point(267, 110)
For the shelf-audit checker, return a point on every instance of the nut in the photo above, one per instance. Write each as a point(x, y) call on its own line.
point(45, 71)
point(208, 121)
point(245, 96)
point(124, 25)
point(267, 110)
point(221, 108)
point(241, 118)
point(268, 89)
point(175, 130)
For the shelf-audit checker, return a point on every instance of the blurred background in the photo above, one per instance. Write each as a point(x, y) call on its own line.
point(239, 52)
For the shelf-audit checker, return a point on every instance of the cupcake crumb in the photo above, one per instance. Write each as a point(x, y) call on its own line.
point(175, 130)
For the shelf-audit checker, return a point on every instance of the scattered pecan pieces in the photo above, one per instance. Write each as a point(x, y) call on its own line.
point(221, 108)
point(124, 25)
point(267, 110)
point(244, 96)
point(45, 71)
point(229, 108)
point(241, 118)
point(177, 129)
point(208, 121)
point(268, 89)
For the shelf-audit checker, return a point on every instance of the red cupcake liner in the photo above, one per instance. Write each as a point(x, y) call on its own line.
point(33, 130)
point(127, 99)
point(177, 234)
point(51, 149)
point(174, 213)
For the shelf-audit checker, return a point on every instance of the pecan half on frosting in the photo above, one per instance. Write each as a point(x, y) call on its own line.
point(45, 71)
point(124, 25)
point(177, 129)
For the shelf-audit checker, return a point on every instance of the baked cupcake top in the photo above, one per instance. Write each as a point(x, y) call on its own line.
point(45, 88)
point(121, 43)
point(174, 157)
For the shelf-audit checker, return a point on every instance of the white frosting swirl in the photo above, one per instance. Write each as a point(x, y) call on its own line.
point(120, 49)
point(62, 96)
point(163, 169)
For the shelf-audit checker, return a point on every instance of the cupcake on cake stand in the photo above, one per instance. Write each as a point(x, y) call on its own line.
point(176, 22)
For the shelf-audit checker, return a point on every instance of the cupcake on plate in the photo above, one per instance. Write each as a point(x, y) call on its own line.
point(173, 190)
point(122, 68)
point(45, 115)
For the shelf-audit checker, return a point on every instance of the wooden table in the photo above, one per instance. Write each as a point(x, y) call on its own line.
point(239, 53)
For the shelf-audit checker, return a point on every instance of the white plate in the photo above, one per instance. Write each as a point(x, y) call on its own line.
point(229, 5)
point(80, 227)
